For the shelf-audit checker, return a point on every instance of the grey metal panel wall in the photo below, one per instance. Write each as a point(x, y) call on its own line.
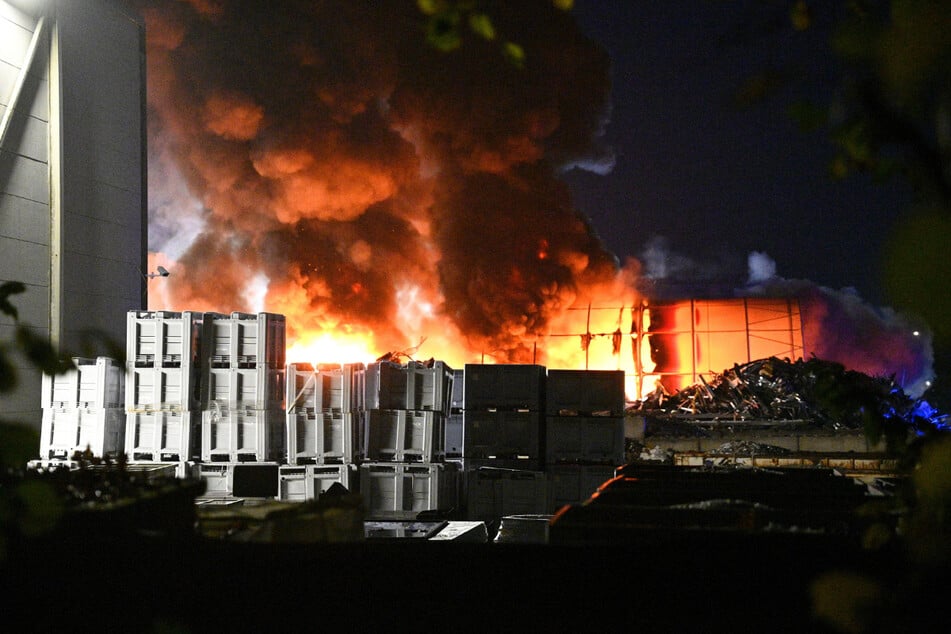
point(24, 199)
point(102, 132)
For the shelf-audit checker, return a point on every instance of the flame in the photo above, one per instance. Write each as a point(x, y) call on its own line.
point(331, 347)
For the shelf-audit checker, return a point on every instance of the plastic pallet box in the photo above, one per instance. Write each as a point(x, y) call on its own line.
point(162, 389)
point(504, 387)
point(299, 483)
point(457, 402)
point(454, 436)
point(468, 465)
point(322, 437)
point(429, 387)
point(164, 436)
point(244, 388)
point(593, 439)
point(575, 483)
point(502, 434)
point(239, 480)
point(492, 493)
point(386, 386)
point(337, 388)
point(246, 340)
point(94, 384)
point(162, 339)
point(585, 392)
point(66, 431)
point(157, 470)
point(405, 436)
point(242, 436)
point(402, 491)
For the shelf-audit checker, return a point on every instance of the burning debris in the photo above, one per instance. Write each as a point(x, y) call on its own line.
point(815, 392)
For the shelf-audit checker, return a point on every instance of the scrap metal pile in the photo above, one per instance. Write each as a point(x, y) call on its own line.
point(817, 392)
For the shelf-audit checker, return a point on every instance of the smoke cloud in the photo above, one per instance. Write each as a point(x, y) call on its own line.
point(840, 326)
point(375, 184)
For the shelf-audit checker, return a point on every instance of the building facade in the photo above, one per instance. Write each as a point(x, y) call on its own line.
point(73, 189)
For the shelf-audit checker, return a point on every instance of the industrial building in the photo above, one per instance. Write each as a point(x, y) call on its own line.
point(73, 190)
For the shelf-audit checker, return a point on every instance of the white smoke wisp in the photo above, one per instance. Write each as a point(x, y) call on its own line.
point(761, 267)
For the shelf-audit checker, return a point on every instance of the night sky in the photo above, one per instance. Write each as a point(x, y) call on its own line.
point(706, 177)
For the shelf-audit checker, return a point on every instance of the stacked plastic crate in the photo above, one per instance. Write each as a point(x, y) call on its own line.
point(584, 432)
point(83, 410)
point(455, 438)
point(406, 407)
point(324, 428)
point(242, 414)
point(164, 366)
point(503, 441)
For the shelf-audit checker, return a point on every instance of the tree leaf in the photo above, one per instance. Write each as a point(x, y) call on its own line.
point(41, 353)
point(7, 289)
point(481, 25)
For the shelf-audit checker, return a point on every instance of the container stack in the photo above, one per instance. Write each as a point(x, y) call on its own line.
point(242, 418)
point(83, 410)
point(584, 432)
point(163, 386)
point(503, 438)
point(406, 408)
point(324, 428)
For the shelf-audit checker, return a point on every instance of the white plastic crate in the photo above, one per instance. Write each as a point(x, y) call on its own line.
point(260, 388)
point(66, 431)
point(162, 339)
point(245, 340)
point(593, 439)
point(94, 384)
point(492, 493)
point(502, 434)
point(584, 393)
point(241, 480)
point(405, 436)
point(429, 387)
point(164, 436)
point(457, 401)
point(323, 437)
point(242, 436)
point(325, 388)
point(402, 491)
point(162, 389)
point(574, 483)
point(306, 482)
point(504, 387)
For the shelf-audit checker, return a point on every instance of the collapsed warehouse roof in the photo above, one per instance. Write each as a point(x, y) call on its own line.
point(815, 392)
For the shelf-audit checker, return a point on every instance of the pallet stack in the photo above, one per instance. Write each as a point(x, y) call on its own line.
point(163, 383)
point(242, 412)
point(584, 432)
point(324, 428)
point(503, 441)
point(83, 410)
point(405, 473)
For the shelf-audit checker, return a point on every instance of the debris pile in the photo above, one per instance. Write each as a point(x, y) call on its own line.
point(749, 448)
point(820, 393)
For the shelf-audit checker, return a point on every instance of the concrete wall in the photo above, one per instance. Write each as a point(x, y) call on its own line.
point(73, 219)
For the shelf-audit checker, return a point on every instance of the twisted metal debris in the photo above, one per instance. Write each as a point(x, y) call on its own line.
point(816, 392)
